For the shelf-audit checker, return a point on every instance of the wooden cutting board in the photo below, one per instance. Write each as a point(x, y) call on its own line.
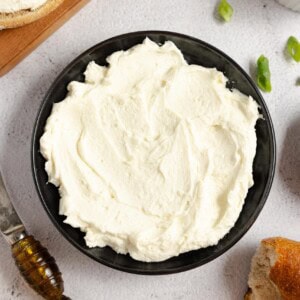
point(16, 44)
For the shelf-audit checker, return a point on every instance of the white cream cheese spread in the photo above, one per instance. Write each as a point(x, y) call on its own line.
point(12, 6)
point(152, 156)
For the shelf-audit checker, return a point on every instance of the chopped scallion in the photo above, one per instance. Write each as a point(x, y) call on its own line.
point(225, 10)
point(263, 76)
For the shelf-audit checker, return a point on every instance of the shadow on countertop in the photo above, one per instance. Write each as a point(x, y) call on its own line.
point(236, 270)
point(289, 165)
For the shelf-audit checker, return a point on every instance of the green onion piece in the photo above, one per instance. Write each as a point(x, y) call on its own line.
point(293, 48)
point(263, 76)
point(225, 10)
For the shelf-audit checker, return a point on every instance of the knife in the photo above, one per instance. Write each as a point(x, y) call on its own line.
point(34, 262)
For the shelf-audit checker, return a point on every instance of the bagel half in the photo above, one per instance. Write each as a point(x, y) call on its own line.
point(23, 17)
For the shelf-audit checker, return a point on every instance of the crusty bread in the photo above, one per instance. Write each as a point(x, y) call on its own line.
point(23, 17)
point(275, 271)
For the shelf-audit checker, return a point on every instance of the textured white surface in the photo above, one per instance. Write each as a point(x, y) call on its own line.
point(258, 26)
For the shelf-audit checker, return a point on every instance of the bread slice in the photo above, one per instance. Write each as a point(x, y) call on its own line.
point(23, 17)
point(275, 271)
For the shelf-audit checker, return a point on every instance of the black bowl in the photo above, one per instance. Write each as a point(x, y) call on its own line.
point(196, 52)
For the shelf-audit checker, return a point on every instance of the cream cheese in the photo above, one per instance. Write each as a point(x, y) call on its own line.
point(12, 6)
point(152, 156)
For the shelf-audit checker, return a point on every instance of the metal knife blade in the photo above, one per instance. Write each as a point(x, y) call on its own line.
point(10, 224)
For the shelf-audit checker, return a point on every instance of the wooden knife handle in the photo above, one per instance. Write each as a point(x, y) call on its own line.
point(38, 268)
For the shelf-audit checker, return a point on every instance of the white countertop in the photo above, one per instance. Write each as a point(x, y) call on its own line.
point(258, 27)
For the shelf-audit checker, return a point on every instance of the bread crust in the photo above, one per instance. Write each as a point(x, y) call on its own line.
point(286, 272)
point(17, 19)
point(248, 295)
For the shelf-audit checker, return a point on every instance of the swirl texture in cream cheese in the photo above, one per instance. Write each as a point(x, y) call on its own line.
point(152, 156)
point(12, 6)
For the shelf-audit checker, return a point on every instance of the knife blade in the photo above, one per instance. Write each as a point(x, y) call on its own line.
point(10, 224)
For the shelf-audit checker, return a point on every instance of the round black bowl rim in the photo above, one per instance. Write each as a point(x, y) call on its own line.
point(259, 207)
